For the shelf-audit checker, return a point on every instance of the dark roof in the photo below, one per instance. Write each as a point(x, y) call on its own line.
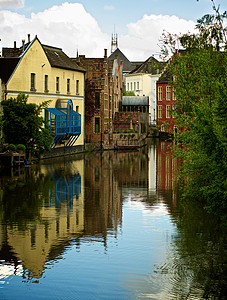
point(7, 66)
point(127, 65)
point(166, 77)
point(59, 59)
point(150, 66)
point(135, 100)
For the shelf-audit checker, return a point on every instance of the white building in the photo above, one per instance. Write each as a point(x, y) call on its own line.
point(142, 81)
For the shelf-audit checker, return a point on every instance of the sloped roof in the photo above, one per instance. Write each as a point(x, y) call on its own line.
point(135, 100)
point(127, 65)
point(59, 59)
point(166, 77)
point(150, 66)
point(7, 66)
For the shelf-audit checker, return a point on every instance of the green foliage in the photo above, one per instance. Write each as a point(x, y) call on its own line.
point(22, 124)
point(128, 93)
point(11, 147)
point(201, 111)
point(21, 147)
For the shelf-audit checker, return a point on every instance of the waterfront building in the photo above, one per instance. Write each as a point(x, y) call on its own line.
point(46, 73)
point(142, 81)
point(104, 77)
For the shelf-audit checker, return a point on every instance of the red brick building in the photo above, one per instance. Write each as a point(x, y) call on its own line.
point(165, 103)
point(105, 76)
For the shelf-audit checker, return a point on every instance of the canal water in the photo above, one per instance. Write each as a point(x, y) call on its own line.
point(107, 226)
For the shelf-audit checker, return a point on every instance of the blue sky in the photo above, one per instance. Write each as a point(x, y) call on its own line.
point(122, 12)
point(138, 23)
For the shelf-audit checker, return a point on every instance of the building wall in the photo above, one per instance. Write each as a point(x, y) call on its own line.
point(153, 99)
point(107, 79)
point(35, 61)
point(147, 87)
point(165, 121)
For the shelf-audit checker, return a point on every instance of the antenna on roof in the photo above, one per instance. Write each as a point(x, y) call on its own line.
point(114, 43)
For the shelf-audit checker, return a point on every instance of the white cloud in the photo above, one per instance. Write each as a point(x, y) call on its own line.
point(11, 4)
point(67, 26)
point(143, 36)
point(70, 26)
point(111, 7)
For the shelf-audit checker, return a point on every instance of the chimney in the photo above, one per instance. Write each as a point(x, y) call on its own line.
point(23, 43)
point(29, 38)
point(105, 52)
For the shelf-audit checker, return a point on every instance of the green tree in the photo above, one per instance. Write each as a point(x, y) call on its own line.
point(200, 86)
point(128, 93)
point(22, 124)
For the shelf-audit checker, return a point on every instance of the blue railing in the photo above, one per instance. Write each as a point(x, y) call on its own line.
point(62, 123)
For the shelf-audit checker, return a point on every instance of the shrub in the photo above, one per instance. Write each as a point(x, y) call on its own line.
point(21, 147)
point(11, 147)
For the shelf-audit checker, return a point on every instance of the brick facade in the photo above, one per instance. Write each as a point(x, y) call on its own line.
point(106, 76)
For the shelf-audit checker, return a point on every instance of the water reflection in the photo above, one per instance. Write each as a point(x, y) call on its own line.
point(112, 222)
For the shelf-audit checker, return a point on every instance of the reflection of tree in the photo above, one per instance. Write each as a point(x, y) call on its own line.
point(196, 266)
point(22, 202)
point(36, 226)
point(202, 250)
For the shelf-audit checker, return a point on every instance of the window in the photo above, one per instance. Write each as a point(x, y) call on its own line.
point(97, 125)
point(168, 93)
point(160, 93)
point(77, 108)
point(174, 95)
point(68, 85)
point(134, 86)
point(33, 82)
point(168, 111)
point(46, 83)
point(77, 87)
point(97, 99)
point(173, 109)
point(127, 86)
point(131, 86)
point(160, 111)
point(138, 86)
point(57, 84)
point(162, 127)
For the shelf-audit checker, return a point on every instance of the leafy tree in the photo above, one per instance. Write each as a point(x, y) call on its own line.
point(22, 124)
point(128, 93)
point(200, 86)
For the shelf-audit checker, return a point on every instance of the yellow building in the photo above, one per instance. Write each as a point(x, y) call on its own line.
point(46, 73)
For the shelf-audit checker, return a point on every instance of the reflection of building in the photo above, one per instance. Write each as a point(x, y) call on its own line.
point(152, 168)
point(59, 219)
point(165, 167)
point(103, 206)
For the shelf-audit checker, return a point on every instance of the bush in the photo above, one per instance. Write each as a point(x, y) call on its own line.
point(21, 147)
point(11, 147)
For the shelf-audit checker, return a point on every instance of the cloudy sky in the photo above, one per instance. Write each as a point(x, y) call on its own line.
point(87, 25)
